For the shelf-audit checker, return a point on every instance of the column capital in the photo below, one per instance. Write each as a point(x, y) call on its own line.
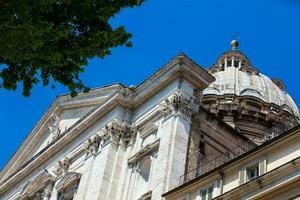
point(180, 103)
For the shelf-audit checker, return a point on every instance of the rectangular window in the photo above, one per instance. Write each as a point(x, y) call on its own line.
point(210, 193)
point(253, 172)
point(201, 148)
point(207, 194)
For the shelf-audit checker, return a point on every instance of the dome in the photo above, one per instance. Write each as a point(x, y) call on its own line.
point(246, 99)
point(234, 81)
point(236, 76)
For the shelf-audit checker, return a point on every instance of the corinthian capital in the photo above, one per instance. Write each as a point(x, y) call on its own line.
point(179, 103)
point(62, 167)
point(92, 144)
point(120, 133)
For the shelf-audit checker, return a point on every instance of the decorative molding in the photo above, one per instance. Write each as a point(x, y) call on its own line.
point(39, 188)
point(146, 196)
point(91, 146)
point(68, 181)
point(240, 111)
point(118, 133)
point(179, 103)
point(148, 130)
point(62, 167)
point(150, 148)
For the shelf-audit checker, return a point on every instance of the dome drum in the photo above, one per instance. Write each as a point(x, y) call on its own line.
point(244, 111)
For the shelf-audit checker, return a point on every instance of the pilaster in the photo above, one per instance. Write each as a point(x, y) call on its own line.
point(174, 130)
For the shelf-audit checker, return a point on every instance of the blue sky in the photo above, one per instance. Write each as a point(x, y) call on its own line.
point(269, 34)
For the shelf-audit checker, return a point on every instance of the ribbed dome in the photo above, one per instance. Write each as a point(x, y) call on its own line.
point(234, 75)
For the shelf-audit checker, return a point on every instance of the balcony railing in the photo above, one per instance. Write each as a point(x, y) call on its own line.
point(228, 156)
point(214, 163)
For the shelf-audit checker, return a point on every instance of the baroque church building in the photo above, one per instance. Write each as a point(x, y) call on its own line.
point(185, 133)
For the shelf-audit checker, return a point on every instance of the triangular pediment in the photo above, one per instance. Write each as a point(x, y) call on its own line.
point(61, 116)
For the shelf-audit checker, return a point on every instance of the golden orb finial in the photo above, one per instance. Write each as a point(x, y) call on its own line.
point(234, 44)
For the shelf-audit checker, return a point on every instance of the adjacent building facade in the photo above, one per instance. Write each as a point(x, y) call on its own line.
point(184, 133)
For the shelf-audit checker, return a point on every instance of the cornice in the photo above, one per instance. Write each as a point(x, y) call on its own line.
point(180, 67)
point(150, 148)
point(268, 111)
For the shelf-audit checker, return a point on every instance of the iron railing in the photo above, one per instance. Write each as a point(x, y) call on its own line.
point(214, 163)
point(228, 156)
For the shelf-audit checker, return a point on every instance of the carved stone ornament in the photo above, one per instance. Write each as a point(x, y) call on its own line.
point(54, 127)
point(61, 167)
point(92, 144)
point(68, 181)
point(118, 133)
point(39, 188)
point(147, 150)
point(179, 103)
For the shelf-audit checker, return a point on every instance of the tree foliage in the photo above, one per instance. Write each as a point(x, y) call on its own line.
point(51, 40)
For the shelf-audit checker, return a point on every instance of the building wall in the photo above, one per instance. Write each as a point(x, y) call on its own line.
point(216, 139)
point(107, 174)
point(278, 178)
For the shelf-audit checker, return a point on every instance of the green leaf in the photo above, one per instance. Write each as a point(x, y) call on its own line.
point(51, 40)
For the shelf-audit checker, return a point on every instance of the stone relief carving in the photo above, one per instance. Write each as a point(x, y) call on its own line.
point(123, 134)
point(48, 191)
point(118, 133)
point(68, 184)
point(39, 188)
point(54, 127)
point(67, 181)
point(179, 103)
point(38, 196)
point(92, 144)
point(61, 167)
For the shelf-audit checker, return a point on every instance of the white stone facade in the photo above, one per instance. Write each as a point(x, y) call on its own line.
point(113, 143)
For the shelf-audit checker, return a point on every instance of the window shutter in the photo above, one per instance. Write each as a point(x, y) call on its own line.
point(242, 176)
point(262, 167)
